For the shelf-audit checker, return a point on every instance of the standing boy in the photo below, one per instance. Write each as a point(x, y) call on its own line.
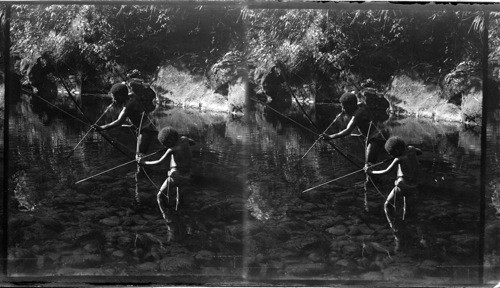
point(180, 157)
point(407, 168)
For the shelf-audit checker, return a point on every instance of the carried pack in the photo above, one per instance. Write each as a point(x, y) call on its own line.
point(376, 105)
point(145, 95)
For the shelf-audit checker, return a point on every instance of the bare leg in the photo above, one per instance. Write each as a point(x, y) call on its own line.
point(164, 186)
point(404, 207)
point(391, 196)
point(371, 156)
point(177, 199)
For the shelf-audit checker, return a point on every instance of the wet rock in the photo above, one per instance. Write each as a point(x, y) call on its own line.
point(464, 240)
point(363, 229)
point(128, 222)
point(315, 257)
point(292, 225)
point(400, 273)
point(66, 271)
point(22, 258)
point(91, 248)
point(21, 220)
point(148, 266)
point(84, 272)
point(429, 266)
point(125, 241)
point(492, 236)
point(350, 250)
point(118, 254)
point(81, 260)
point(346, 264)
point(301, 242)
point(354, 230)
point(323, 222)
point(139, 220)
point(337, 230)
point(363, 262)
point(304, 269)
point(204, 256)
point(35, 249)
point(111, 221)
point(372, 276)
point(177, 264)
point(93, 214)
point(250, 227)
point(377, 265)
point(66, 217)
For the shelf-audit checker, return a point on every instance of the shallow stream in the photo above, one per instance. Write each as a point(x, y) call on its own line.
point(244, 214)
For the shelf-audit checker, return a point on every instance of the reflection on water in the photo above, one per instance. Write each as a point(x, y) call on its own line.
point(327, 233)
point(94, 227)
point(492, 211)
point(244, 214)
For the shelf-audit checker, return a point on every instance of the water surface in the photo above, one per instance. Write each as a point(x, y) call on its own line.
point(244, 214)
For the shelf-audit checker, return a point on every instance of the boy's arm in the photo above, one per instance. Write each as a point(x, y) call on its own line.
point(343, 133)
point(386, 170)
point(190, 141)
point(418, 152)
point(165, 156)
point(118, 122)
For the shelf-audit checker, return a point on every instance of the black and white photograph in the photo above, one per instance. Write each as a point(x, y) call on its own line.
point(250, 144)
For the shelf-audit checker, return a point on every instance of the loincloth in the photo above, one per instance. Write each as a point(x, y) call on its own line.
point(177, 177)
point(406, 186)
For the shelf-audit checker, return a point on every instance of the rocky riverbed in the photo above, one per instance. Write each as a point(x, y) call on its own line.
point(95, 229)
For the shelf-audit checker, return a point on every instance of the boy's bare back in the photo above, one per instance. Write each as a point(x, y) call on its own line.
point(409, 166)
point(181, 155)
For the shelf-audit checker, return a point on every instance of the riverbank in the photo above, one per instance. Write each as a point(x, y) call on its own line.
point(412, 97)
point(178, 87)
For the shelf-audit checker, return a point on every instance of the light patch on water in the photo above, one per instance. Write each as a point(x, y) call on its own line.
point(22, 191)
point(495, 197)
point(253, 206)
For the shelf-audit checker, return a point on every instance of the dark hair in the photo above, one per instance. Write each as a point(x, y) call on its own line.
point(120, 92)
point(167, 136)
point(134, 74)
point(136, 86)
point(349, 101)
point(395, 146)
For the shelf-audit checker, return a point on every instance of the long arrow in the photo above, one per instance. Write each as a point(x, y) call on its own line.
point(352, 173)
point(91, 128)
point(88, 120)
point(315, 126)
point(319, 138)
point(116, 167)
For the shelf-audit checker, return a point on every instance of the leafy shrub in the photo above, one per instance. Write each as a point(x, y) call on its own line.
point(472, 105)
point(183, 88)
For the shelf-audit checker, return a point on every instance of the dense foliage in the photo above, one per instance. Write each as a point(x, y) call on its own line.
point(324, 49)
point(335, 45)
point(100, 38)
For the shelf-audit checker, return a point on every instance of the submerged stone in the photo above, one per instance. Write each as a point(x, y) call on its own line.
point(400, 273)
point(118, 254)
point(305, 269)
point(81, 260)
point(177, 264)
point(111, 221)
point(372, 276)
point(337, 230)
point(148, 266)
